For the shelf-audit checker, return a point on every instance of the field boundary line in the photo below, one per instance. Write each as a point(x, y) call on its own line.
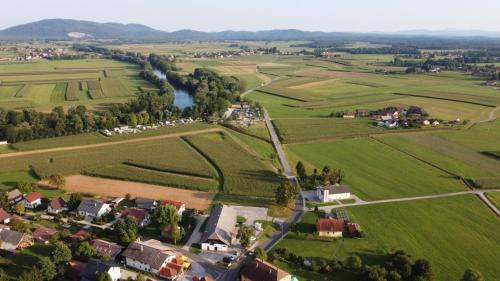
point(207, 158)
point(168, 171)
point(418, 158)
point(104, 144)
point(447, 99)
point(280, 96)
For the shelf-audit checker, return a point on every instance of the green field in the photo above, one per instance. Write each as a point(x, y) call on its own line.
point(250, 177)
point(165, 162)
point(40, 84)
point(494, 197)
point(376, 171)
point(451, 237)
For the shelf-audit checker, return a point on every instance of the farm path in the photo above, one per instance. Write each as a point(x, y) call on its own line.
point(258, 87)
point(77, 147)
point(491, 116)
point(479, 193)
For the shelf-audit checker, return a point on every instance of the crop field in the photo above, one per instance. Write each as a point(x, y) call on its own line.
point(111, 161)
point(300, 130)
point(375, 171)
point(494, 197)
point(27, 85)
point(482, 137)
point(410, 226)
point(251, 177)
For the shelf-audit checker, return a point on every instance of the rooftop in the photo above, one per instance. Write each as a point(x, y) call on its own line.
point(332, 225)
point(259, 270)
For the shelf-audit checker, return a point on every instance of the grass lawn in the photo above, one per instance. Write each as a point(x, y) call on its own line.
point(26, 259)
point(494, 197)
point(375, 171)
point(453, 233)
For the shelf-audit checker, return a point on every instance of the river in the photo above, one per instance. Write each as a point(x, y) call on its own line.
point(182, 98)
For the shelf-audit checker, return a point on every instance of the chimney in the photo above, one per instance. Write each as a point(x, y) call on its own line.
point(142, 248)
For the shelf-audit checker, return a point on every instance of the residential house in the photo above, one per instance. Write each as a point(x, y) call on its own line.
point(95, 268)
point(93, 208)
point(141, 216)
point(181, 207)
point(330, 227)
point(12, 241)
point(80, 235)
point(56, 206)
point(354, 229)
point(146, 204)
point(259, 270)
point(362, 112)
point(349, 115)
point(33, 200)
point(151, 256)
point(14, 196)
point(43, 234)
point(105, 248)
point(333, 192)
point(5, 217)
point(220, 229)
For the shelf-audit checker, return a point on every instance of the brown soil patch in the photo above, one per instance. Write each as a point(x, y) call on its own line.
point(116, 188)
point(264, 78)
point(312, 84)
point(315, 72)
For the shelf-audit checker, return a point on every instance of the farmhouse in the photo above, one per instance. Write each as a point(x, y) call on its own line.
point(14, 196)
point(362, 112)
point(354, 229)
point(152, 256)
point(139, 215)
point(220, 229)
point(259, 270)
point(92, 208)
point(181, 207)
point(33, 200)
point(333, 192)
point(95, 268)
point(43, 234)
point(349, 115)
point(12, 241)
point(4, 217)
point(79, 235)
point(56, 206)
point(330, 227)
point(105, 248)
point(144, 203)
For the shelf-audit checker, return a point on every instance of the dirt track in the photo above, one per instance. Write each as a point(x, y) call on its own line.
point(116, 188)
point(69, 148)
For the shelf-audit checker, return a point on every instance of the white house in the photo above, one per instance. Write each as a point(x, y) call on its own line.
point(56, 206)
point(333, 192)
point(33, 200)
point(95, 268)
point(152, 256)
point(220, 229)
point(93, 208)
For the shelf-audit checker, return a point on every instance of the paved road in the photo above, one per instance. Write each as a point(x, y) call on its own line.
point(69, 148)
point(299, 209)
point(477, 192)
point(260, 86)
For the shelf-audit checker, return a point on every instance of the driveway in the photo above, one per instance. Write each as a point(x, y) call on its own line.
point(252, 213)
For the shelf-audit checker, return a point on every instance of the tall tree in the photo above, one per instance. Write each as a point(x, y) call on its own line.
point(301, 171)
point(104, 277)
point(286, 193)
point(84, 249)
point(166, 215)
point(74, 200)
point(126, 230)
point(61, 253)
point(47, 268)
point(260, 253)
point(57, 180)
point(422, 269)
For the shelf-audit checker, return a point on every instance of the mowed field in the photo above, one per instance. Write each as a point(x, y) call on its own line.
point(245, 177)
point(45, 84)
point(373, 170)
point(106, 187)
point(453, 233)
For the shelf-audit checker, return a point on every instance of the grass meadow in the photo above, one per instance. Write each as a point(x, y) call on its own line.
point(453, 233)
point(375, 171)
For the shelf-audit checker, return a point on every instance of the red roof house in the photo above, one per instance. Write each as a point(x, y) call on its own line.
point(106, 248)
point(141, 216)
point(43, 234)
point(330, 227)
point(5, 217)
point(181, 207)
point(33, 200)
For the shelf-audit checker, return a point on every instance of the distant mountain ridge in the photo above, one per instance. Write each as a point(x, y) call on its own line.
point(77, 29)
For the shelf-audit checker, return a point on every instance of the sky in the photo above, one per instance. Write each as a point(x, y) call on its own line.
point(252, 15)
